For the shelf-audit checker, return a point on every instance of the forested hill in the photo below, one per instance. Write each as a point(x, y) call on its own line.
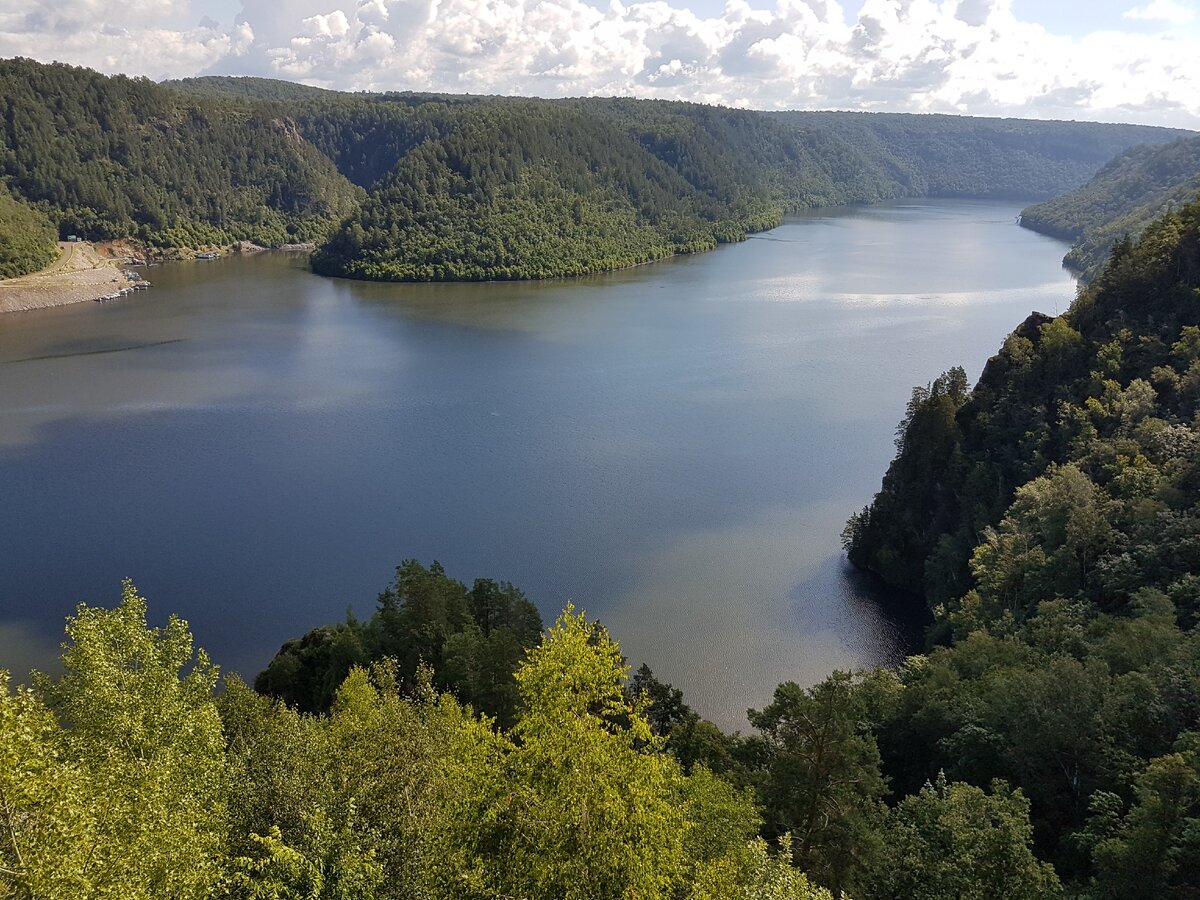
point(967, 156)
point(1105, 390)
point(1051, 518)
point(502, 188)
point(431, 186)
point(506, 188)
point(123, 157)
point(535, 190)
point(1123, 198)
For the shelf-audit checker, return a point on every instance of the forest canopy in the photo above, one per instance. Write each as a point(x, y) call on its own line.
point(1123, 198)
point(1050, 519)
point(27, 238)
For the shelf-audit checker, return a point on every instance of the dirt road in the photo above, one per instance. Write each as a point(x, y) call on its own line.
point(78, 274)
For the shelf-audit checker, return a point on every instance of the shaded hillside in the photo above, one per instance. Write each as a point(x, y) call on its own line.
point(965, 156)
point(1105, 387)
point(1123, 198)
point(1051, 517)
point(117, 157)
point(539, 188)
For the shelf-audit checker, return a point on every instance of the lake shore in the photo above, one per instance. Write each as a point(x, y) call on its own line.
point(79, 274)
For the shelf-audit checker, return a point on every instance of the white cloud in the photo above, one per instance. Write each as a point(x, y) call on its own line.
point(964, 56)
point(1163, 11)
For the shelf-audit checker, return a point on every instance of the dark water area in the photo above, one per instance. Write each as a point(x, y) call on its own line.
point(674, 448)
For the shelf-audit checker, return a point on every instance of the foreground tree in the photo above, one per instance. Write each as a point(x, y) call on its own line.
point(140, 722)
point(112, 777)
point(823, 784)
point(583, 805)
point(956, 842)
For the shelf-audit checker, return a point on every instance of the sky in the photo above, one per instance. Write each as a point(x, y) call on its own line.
point(1099, 60)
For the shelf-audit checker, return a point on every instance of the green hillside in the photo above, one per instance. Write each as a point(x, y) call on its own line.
point(535, 190)
point(27, 238)
point(490, 187)
point(123, 157)
point(498, 188)
point(1124, 197)
point(964, 156)
point(1050, 517)
point(436, 187)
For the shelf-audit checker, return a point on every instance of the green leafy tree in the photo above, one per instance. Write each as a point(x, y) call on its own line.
point(583, 805)
point(142, 730)
point(1154, 850)
point(45, 821)
point(756, 874)
point(953, 841)
point(823, 782)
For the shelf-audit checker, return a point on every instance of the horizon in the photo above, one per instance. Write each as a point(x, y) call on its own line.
point(167, 82)
point(1118, 61)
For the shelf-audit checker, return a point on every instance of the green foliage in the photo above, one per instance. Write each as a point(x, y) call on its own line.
point(113, 776)
point(44, 819)
point(471, 188)
point(473, 639)
point(582, 806)
point(956, 841)
point(754, 874)
point(1058, 545)
point(893, 536)
point(823, 783)
point(26, 238)
point(147, 737)
point(1130, 192)
point(338, 870)
point(516, 189)
point(1154, 849)
point(505, 189)
point(123, 157)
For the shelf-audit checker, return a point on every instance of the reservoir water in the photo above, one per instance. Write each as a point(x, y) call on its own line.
point(675, 448)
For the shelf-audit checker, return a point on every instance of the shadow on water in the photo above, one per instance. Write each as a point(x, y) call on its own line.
point(877, 623)
point(68, 354)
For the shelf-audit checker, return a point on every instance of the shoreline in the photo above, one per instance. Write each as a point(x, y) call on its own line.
point(78, 275)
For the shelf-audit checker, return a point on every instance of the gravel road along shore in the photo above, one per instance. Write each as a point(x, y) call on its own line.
point(79, 274)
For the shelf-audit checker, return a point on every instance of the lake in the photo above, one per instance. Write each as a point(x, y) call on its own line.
point(674, 448)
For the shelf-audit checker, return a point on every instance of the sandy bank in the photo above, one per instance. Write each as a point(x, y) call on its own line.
point(79, 274)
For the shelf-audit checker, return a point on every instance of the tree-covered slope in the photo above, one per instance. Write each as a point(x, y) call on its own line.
point(1058, 390)
point(27, 238)
point(1051, 517)
point(966, 156)
point(494, 187)
point(516, 189)
point(117, 157)
point(484, 187)
point(1123, 198)
point(535, 190)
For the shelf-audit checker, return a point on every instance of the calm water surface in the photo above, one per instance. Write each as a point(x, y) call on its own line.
point(674, 448)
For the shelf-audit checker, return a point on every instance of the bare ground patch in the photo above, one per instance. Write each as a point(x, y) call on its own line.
point(79, 274)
